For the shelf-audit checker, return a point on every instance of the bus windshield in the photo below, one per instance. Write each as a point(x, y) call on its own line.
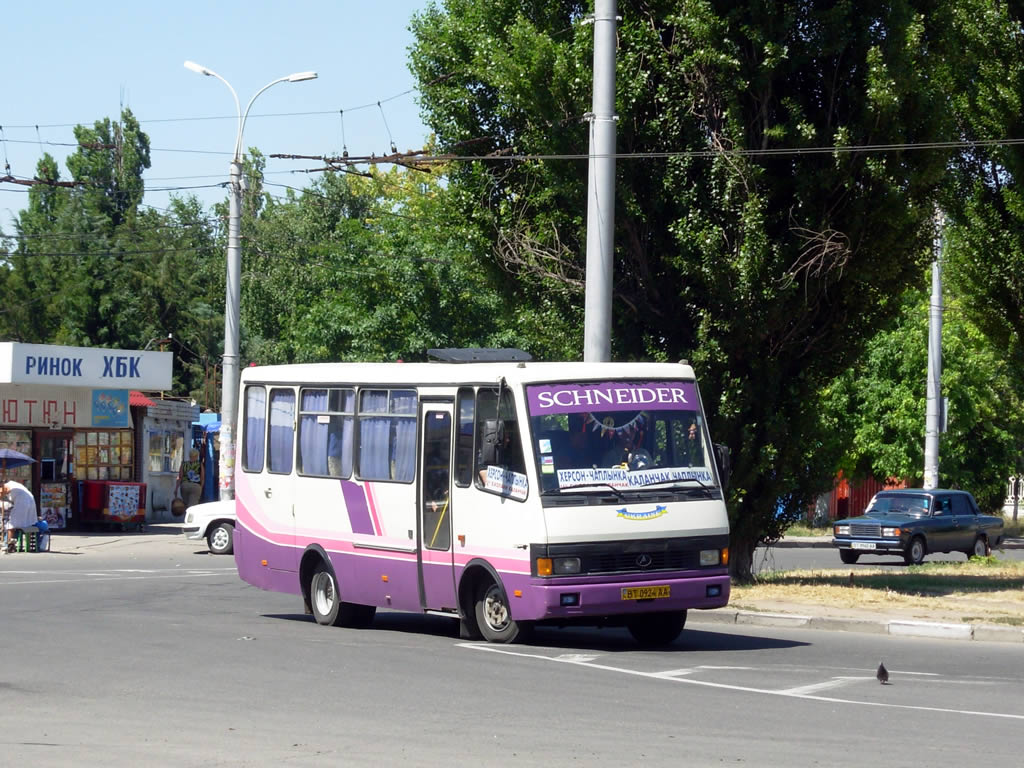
point(623, 435)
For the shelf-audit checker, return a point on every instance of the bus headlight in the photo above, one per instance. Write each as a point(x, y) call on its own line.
point(710, 556)
point(558, 566)
point(566, 565)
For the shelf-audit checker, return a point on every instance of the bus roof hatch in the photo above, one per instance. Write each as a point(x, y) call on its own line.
point(478, 355)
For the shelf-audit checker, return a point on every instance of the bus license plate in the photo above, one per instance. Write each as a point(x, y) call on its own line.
point(862, 545)
point(646, 593)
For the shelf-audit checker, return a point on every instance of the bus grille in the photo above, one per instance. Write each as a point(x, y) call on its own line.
point(619, 562)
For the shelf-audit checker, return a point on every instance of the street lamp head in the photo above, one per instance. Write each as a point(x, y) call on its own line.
point(198, 68)
point(298, 77)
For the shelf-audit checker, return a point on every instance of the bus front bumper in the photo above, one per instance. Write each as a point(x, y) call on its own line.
point(563, 598)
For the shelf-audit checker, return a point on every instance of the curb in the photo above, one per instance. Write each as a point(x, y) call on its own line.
point(988, 633)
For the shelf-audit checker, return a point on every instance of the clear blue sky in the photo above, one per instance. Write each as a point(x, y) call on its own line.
point(69, 62)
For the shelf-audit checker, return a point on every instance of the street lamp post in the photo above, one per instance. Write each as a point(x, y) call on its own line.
point(229, 382)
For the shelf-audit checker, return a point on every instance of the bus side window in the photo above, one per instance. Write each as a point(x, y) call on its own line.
point(254, 439)
point(387, 434)
point(280, 446)
point(497, 434)
point(466, 406)
point(325, 432)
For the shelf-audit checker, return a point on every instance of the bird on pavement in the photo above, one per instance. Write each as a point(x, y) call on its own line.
point(882, 674)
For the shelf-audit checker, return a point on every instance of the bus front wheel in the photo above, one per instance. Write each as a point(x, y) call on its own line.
point(494, 618)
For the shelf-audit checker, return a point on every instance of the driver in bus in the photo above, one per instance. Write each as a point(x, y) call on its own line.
point(625, 454)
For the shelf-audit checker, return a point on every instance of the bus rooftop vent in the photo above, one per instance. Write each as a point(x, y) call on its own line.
point(478, 355)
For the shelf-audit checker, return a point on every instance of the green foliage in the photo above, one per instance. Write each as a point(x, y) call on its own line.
point(364, 269)
point(88, 267)
point(880, 403)
point(768, 272)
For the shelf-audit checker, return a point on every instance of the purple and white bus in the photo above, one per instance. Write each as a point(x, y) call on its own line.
point(501, 494)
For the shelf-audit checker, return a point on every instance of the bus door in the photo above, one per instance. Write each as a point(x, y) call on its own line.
point(276, 489)
point(434, 540)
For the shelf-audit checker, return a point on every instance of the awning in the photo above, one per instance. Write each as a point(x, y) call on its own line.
point(137, 398)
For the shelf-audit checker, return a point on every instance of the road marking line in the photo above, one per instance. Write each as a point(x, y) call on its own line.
point(675, 672)
point(742, 688)
point(713, 666)
point(106, 577)
point(835, 682)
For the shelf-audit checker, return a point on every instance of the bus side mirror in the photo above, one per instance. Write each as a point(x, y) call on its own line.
point(490, 441)
point(723, 458)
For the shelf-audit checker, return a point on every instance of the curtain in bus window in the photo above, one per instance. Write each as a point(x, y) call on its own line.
point(343, 448)
point(255, 428)
point(346, 404)
point(313, 434)
point(374, 436)
point(404, 402)
point(282, 420)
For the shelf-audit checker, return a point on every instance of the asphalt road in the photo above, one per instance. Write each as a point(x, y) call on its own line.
point(171, 660)
point(787, 558)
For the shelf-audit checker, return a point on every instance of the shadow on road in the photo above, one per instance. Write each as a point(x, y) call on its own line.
point(602, 639)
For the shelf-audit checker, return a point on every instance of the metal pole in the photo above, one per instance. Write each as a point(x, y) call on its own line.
point(232, 301)
point(933, 414)
point(233, 288)
point(597, 319)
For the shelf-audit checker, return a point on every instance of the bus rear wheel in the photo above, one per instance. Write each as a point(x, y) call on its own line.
point(656, 629)
point(329, 609)
point(323, 597)
point(494, 618)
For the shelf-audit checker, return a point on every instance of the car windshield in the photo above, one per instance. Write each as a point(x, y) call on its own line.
point(624, 435)
point(900, 504)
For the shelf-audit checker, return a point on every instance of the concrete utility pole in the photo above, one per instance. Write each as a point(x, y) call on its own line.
point(233, 283)
point(933, 415)
point(597, 318)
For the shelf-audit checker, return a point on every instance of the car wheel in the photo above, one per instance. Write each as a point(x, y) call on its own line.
point(915, 552)
point(220, 539)
point(656, 629)
point(494, 618)
point(981, 548)
point(848, 556)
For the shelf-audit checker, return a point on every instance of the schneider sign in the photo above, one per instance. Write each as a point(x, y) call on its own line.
point(84, 367)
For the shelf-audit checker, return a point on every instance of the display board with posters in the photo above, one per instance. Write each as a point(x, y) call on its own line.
point(54, 504)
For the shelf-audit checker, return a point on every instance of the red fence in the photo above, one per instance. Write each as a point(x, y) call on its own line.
point(849, 499)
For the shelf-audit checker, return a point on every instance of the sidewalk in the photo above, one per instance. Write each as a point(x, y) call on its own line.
point(155, 538)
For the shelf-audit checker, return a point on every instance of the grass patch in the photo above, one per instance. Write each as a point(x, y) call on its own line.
point(803, 529)
point(984, 589)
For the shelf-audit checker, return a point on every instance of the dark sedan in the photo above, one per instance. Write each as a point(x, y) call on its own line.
point(914, 522)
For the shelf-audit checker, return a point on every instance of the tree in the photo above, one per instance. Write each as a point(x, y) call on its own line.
point(768, 271)
point(363, 269)
point(879, 404)
point(88, 266)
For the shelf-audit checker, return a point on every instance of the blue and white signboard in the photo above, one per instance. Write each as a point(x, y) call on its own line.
point(84, 367)
point(110, 408)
